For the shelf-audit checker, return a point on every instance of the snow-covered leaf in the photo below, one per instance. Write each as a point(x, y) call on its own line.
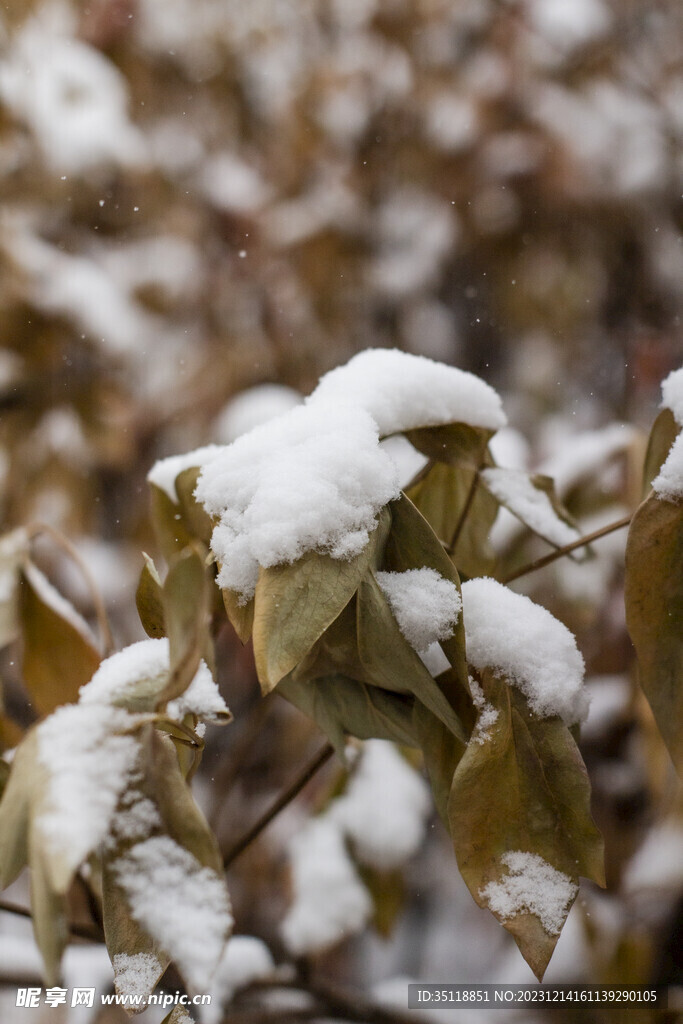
point(196, 520)
point(149, 600)
point(654, 613)
point(171, 532)
point(241, 615)
point(533, 501)
point(525, 788)
point(662, 436)
point(48, 907)
point(456, 444)
point(186, 615)
point(25, 777)
point(58, 656)
point(296, 603)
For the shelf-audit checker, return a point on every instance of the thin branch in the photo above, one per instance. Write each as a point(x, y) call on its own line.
point(540, 563)
point(98, 604)
point(307, 773)
point(77, 930)
point(464, 514)
point(333, 1003)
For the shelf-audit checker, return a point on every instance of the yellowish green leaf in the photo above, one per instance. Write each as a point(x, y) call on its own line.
point(170, 530)
point(14, 552)
point(15, 809)
point(149, 600)
point(48, 909)
point(241, 616)
point(197, 521)
point(456, 444)
point(186, 615)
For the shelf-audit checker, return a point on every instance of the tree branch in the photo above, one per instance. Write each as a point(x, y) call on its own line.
point(78, 931)
point(540, 563)
point(333, 1003)
point(285, 798)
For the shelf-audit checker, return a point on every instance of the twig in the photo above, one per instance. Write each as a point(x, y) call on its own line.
point(285, 798)
point(561, 552)
point(77, 930)
point(334, 1003)
point(98, 604)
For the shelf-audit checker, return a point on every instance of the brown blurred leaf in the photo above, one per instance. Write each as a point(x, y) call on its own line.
point(186, 614)
point(149, 600)
point(456, 444)
point(663, 434)
point(241, 615)
point(654, 613)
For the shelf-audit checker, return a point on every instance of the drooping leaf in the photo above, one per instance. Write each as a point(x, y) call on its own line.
point(446, 499)
point(336, 651)
point(341, 707)
point(523, 788)
point(441, 751)
point(654, 613)
point(296, 603)
point(178, 1015)
point(4, 775)
point(48, 908)
point(149, 600)
point(186, 615)
point(412, 544)
point(532, 499)
point(390, 662)
point(15, 809)
point(196, 520)
point(14, 552)
point(170, 530)
point(456, 444)
point(388, 893)
point(663, 434)
point(58, 658)
point(241, 615)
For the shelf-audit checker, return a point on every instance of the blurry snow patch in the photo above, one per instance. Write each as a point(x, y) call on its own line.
point(73, 99)
point(330, 901)
point(510, 448)
point(232, 184)
point(245, 960)
point(530, 504)
point(452, 121)
point(403, 391)
point(87, 766)
point(60, 432)
point(487, 716)
point(669, 482)
point(251, 408)
point(424, 603)
point(328, 203)
point(384, 808)
point(408, 460)
point(566, 24)
point(509, 154)
point(511, 635)
point(313, 479)
point(532, 886)
point(580, 456)
point(592, 579)
point(136, 975)
point(164, 472)
point(609, 699)
point(658, 863)
point(140, 670)
point(165, 262)
point(415, 232)
point(180, 903)
point(672, 394)
point(428, 329)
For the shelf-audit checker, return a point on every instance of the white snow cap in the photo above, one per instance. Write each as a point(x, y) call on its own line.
point(669, 482)
point(532, 887)
point(253, 407)
point(384, 808)
point(314, 479)
point(180, 903)
point(119, 679)
point(164, 472)
point(425, 604)
point(512, 635)
point(330, 901)
point(246, 959)
point(403, 391)
point(672, 394)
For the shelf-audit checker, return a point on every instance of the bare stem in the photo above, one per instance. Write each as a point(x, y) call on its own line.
point(65, 544)
point(286, 797)
point(561, 552)
point(78, 931)
point(333, 1003)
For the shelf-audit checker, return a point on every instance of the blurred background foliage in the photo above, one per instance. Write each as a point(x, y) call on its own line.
point(203, 197)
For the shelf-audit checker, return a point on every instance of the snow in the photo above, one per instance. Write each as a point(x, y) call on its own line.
point(424, 603)
point(452, 121)
point(72, 98)
point(246, 959)
point(88, 767)
point(530, 504)
point(136, 673)
point(164, 472)
point(231, 184)
point(136, 975)
point(658, 862)
point(253, 407)
point(532, 887)
point(416, 233)
point(569, 23)
point(522, 641)
point(408, 460)
point(181, 904)
point(385, 807)
point(580, 456)
point(314, 479)
point(330, 901)
point(402, 391)
point(487, 715)
point(609, 700)
point(669, 482)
